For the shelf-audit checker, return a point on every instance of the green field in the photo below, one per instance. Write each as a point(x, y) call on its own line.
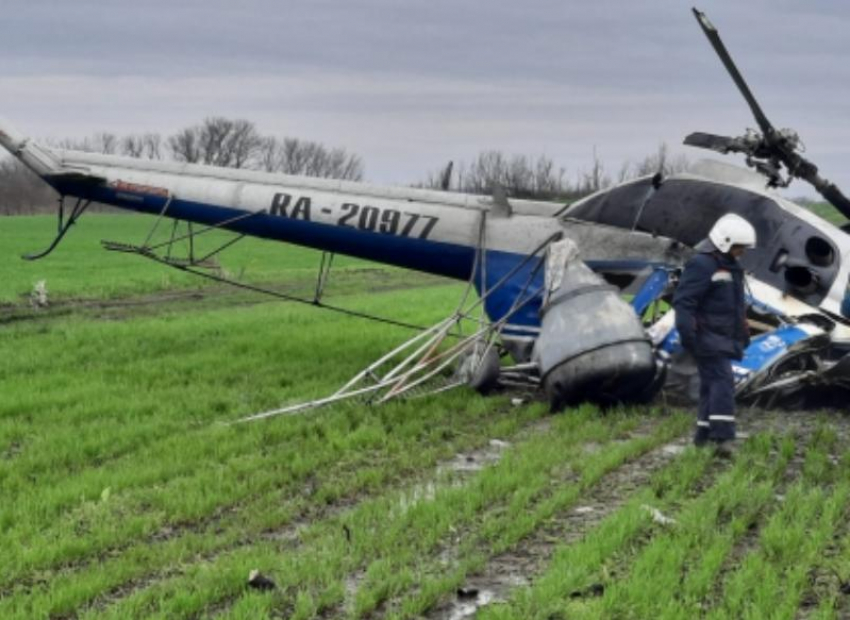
point(827, 212)
point(124, 493)
point(80, 270)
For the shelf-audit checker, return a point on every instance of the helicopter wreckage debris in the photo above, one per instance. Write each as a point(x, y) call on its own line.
point(571, 333)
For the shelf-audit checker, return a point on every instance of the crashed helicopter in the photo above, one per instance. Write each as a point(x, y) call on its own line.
point(549, 280)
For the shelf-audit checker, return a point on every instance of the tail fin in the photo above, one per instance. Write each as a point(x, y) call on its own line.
point(42, 161)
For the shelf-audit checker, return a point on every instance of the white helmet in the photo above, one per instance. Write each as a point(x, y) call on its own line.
point(732, 230)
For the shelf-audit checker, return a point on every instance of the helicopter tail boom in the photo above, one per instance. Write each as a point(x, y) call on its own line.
point(40, 160)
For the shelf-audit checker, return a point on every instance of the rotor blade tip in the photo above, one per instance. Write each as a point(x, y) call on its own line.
point(703, 20)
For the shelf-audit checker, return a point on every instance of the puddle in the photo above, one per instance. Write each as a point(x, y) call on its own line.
point(461, 465)
point(479, 459)
point(478, 593)
point(467, 606)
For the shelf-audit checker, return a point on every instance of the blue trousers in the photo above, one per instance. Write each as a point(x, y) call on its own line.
point(716, 414)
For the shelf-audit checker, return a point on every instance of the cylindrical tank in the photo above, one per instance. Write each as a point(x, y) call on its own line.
point(592, 345)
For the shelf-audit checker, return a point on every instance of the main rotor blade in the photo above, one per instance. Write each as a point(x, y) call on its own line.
point(834, 196)
point(801, 168)
point(714, 38)
point(807, 171)
point(721, 144)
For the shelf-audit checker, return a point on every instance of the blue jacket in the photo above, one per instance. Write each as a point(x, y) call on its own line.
point(711, 314)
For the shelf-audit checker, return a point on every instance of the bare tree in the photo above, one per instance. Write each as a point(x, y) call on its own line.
point(660, 161)
point(184, 146)
point(304, 157)
point(144, 146)
point(106, 143)
point(103, 142)
point(153, 145)
point(21, 191)
point(540, 178)
point(132, 146)
point(520, 175)
point(267, 154)
point(594, 180)
point(217, 141)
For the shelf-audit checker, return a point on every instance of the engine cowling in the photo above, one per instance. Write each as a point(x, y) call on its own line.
point(592, 345)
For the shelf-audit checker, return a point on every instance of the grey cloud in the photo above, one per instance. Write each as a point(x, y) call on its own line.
point(410, 84)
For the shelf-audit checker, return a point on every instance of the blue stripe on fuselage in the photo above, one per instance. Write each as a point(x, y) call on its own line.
point(439, 258)
point(445, 259)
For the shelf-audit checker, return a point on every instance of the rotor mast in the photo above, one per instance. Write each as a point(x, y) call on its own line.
point(772, 149)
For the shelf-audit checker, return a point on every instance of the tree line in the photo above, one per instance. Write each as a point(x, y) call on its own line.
point(237, 143)
point(539, 178)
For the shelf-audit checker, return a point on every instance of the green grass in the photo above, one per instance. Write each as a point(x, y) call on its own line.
point(527, 511)
point(80, 268)
point(122, 494)
point(827, 212)
point(574, 568)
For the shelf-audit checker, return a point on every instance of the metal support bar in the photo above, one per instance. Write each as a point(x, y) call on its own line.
point(173, 234)
point(218, 250)
point(191, 243)
point(205, 230)
point(323, 275)
point(64, 226)
point(118, 247)
point(149, 250)
point(157, 221)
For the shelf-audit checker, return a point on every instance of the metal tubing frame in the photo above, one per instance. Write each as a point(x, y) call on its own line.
point(191, 235)
point(456, 350)
point(157, 221)
point(401, 379)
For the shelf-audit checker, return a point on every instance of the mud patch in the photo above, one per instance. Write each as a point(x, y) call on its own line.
point(288, 537)
point(373, 280)
point(674, 449)
point(514, 568)
point(454, 473)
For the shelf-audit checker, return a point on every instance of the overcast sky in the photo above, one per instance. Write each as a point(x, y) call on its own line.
point(410, 84)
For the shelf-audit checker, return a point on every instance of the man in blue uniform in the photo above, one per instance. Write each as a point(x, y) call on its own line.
point(712, 322)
